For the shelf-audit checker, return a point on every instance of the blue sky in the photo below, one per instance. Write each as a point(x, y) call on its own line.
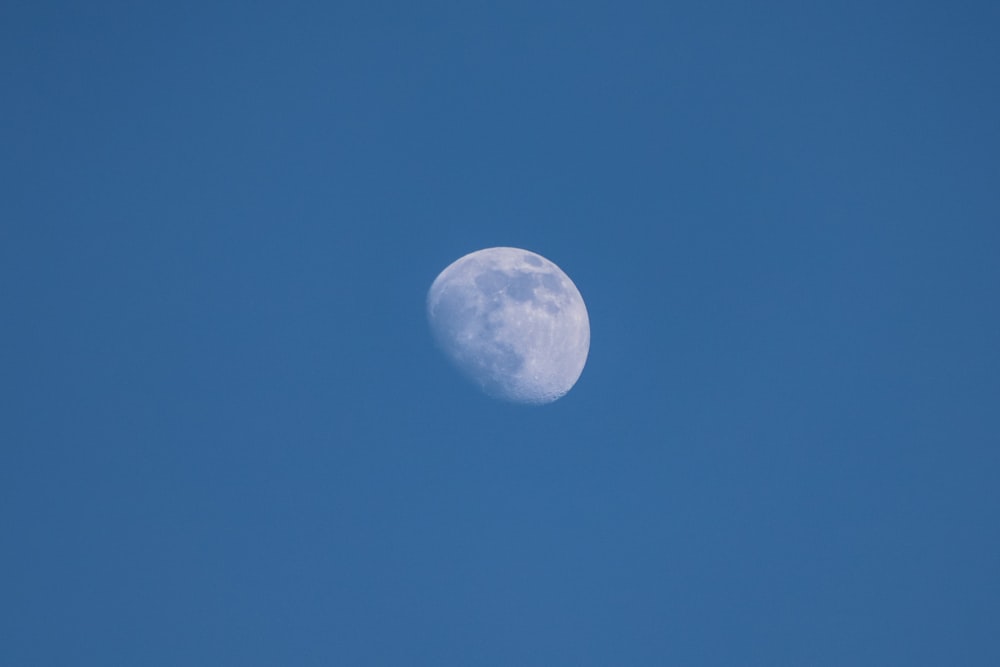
point(226, 436)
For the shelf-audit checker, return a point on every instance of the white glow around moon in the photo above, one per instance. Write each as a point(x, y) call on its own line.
point(512, 322)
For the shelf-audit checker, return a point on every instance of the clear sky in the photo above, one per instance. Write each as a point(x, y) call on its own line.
point(226, 437)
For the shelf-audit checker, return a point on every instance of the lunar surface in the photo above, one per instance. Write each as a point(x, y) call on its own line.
point(512, 322)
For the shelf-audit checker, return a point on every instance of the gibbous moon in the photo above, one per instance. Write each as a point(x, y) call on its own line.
point(512, 322)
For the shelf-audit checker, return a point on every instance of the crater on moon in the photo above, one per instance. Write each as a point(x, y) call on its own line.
point(512, 322)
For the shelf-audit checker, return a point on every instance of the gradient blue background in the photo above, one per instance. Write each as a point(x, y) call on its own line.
point(227, 439)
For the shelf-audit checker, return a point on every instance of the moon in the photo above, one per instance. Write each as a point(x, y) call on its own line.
point(512, 322)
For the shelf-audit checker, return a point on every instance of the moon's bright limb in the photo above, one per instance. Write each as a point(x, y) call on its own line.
point(512, 322)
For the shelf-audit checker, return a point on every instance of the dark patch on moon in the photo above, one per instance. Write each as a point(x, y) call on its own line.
point(522, 286)
point(519, 285)
point(552, 282)
point(491, 282)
